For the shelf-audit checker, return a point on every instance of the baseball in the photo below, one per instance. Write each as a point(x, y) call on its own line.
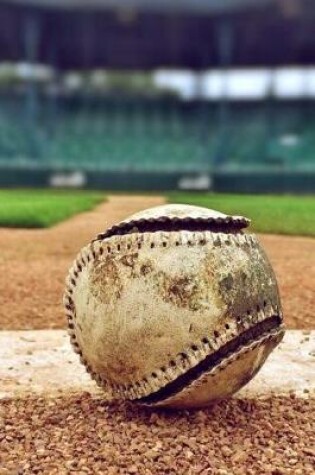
point(176, 306)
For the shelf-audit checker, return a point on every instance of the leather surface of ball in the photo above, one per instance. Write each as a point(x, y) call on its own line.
point(176, 306)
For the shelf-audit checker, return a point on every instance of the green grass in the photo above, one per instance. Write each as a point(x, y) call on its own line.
point(43, 208)
point(290, 215)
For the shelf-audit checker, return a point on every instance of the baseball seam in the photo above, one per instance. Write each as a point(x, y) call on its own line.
point(197, 350)
point(175, 224)
point(224, 363)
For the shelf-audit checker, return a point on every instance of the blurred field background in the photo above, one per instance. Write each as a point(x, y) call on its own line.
point(193, 96)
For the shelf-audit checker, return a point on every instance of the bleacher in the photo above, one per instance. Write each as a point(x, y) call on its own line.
point(121, 134)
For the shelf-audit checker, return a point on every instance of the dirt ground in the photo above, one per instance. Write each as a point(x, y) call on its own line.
point(85, 435)
point(34, 263)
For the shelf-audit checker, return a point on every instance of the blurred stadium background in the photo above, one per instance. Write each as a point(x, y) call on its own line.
point(158, 95)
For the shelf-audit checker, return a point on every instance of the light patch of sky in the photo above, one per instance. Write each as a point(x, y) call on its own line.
point(243, 84)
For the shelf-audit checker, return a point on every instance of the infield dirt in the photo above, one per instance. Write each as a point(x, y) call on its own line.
point(84, 434)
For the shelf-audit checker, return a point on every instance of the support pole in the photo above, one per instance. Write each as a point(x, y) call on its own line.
point(224, 35)
point(269, 157)
point(31, 42)
point(202, 133)
point(53, 101)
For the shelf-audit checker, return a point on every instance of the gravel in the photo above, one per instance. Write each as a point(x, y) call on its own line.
point(85, 435)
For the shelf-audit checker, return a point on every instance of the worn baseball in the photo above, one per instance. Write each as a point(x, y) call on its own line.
point(176, 306)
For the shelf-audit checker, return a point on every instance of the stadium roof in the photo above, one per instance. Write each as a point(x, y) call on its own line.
point(148, 34)
point(200, 6)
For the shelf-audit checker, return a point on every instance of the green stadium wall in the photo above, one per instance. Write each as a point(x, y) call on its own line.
point(220, 181)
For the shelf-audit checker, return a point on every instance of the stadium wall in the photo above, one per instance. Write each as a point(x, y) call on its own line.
point(279, 182)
